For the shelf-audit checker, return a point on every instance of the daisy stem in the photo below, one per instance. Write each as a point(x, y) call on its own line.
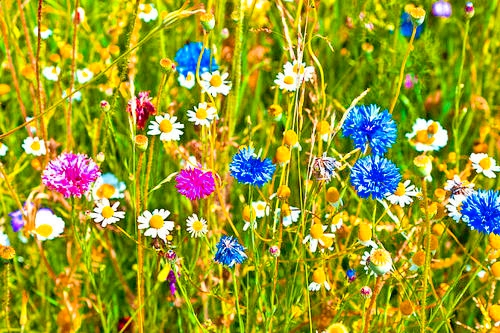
point(236, 296)
point(402, 70)
point(6, 297)
point(148, 171)
point(427, 263)
point(140, 254)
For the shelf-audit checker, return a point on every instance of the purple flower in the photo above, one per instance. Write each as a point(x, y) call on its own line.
point(194, 183)
point(441, 8)
point(171, 279)
point(17, 221)
point(143, 108)
point(70, 174)
point(410, 81)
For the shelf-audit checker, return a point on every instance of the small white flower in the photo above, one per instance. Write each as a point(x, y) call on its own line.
point(427, 135)
point(290, 214)
point(303, 72)
point(84, 75)
point(3, 149)
point(287, 81)
point(48, 225)
point(4, 239)
point(51, 73)
point(196, 227)
point(316, 236)
point(215, 83)
point(187, 81)
point(147, 12)
point(318, 280)
point(403, 194)
point(155, 223)
point(34, 146)
point(261, 209)
point(45, 32)
point(484, 164)
point(202, 115)
point(459, 187)
point(106, 214)
point(107, 186)
point(454, 206)
point(167, 127)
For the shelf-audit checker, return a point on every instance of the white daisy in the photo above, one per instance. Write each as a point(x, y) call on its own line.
point(105, 213)
point(3, 149)
point(454, 206)
point(84, 75)
point(51, 73)
point(34, 146)
point(147, 12)
point(427, 135)
point(167, 127)
point(290, 214)
point(457, 186)
point(202, 115)
point(287, 81)
point(316, 236)
point(304, 73)
point(318, 280)
point(4, 239)
point(107, 186)
point(484, 164)
point(48, 225)
point(261, 209)
point(215, 83)
point(403, 194)
point(155, 223)
point(196, 227)
point(249, 217)
point(187, 81)
point(377, 262)
point(44, 33)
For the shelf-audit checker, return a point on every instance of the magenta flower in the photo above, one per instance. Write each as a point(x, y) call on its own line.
point(194, 183)
point(143, 108)
point(70, 174)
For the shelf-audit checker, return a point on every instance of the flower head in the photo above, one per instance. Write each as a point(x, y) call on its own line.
point(48, 225)
point(187, 59)
point(375, 176)
point(377, 262)
point(481, 211)
point(70, 174)
point(441, 8)
point(287, 81)
point(17, 221)
point(188, 81)
point(34, 146)
point(351, 275)
point(108, 186)
point(368, 127)
point(84, 75)
point(317, 236)
point(323, 168)
point(288, 214)
point(484, 164)
point(403, 194)
point(214, 83)
point(459, 187)
point(427, 135)
point(406, 27)
point(147, 12)
point(51, 73)
point(4, 239)
point(140, 108)
point(166, 127)
point(3, 149)
point(194, 183)
point(155, 223)
point(304, 73)
point(249, 169)
point(318, 280)
point(105, 213)
point(196, 227)
point(203, 114)
point(45, 32)
point(229, 251)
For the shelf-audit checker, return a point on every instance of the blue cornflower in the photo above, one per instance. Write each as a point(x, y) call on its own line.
point(229, 251)
point(481, 211)
point(366, 124)
point(406, 27)
point(374, 175)
point(249, 169)
point(351, 275)
point(187, 59)
point(17, 221)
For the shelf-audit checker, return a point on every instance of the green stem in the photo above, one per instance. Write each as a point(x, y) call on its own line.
point(6, 295)
point(140, 254)
point(234, 98)
point(236, 296)
point(423, 301)
point(402, 70)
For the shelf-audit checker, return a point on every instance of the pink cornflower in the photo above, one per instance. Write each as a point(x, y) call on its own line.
point(143, 109)
point(70, 174)
point(194, 183)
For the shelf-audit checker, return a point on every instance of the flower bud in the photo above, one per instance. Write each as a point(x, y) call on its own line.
point(141, 142)
point(207, 21)
point(469, 10)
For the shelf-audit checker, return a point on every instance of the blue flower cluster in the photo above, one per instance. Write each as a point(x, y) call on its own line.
point(249, 169)
point(187, 59)
point(374, 175)
point(229, 251)
point(481, 211)
point(366, 124)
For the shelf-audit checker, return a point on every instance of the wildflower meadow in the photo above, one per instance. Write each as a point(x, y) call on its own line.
point(249, 166)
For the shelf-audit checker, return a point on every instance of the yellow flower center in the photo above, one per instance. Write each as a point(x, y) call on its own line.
point(419, 258)
point(425, 137)
point(246, 213)
point(323, 127)
point(197, 226)
point(201, 113)
point(156, 222)
point(290, 138)
point(84, 74)
point(54, 70)
point(148, 8)
point(380, 257)
point(189, 77)
point(105, 191)
point(317, 231)
point(332, 194)
point(44, 230)
point(107, 212)
point(35, 145)
point(288, 79)
point(365, 232)
point(401, 190)
point(285, 210)
point(166, 126)
point(494, 312)
point(216, 80)
point(433, 128)
point(485, 163)
point(327, 241)
point(283, 154)
point(319, 276)
point(260, 207)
